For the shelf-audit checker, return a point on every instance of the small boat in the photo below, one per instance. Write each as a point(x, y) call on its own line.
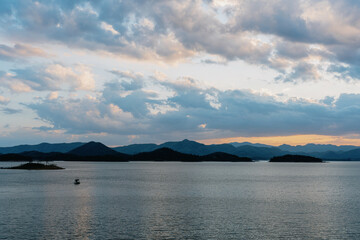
point(77, 181)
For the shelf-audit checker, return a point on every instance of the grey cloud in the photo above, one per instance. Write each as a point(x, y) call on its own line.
point(11, 110)
point(134, 102)
point(302, 72)
point(282, 18)
point(346, 73)
point(211, 61)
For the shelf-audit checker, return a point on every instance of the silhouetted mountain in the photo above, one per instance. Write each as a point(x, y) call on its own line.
point(93, 149)
point(253, 151)
point(53, 156)
point(224, 157)
point(42, 147)
point(14, 157)
point(186, 146)
point(39, 156)
point(312, 148)
point(295, 158)
point(165, 154)
point(136, 148)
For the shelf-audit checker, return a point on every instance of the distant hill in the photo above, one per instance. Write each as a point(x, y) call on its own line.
point(253, 151)
point(237, 144)
point(42, 147)
point(167, 154)
point(352, 155)
point(185, 146)
point(162, 154)
point(93, 149)
point(136, 148)
point(259, 153)
point(311, 148)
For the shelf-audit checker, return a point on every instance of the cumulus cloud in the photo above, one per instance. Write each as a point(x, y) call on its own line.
point(199, 111)
point(86, 116)
point(49, 78)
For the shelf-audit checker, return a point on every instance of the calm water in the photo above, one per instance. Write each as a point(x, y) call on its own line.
point(182, 201)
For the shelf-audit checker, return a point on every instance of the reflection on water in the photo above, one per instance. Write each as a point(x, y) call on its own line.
point(182, 201)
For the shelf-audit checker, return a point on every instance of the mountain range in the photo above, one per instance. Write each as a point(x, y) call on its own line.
point(254, 151)
point(95, 151)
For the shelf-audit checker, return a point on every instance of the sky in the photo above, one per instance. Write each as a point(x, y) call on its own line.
point(124, 72)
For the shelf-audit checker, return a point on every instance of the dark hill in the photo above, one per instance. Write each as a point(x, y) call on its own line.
point(93, 149)
point(165, 154)
point(14, 157)
point(295, 158)
point(186, 146)
point(36, 166)
point(224, 157)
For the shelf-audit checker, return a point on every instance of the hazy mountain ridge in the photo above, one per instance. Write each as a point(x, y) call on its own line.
point(253, 151)
point(42, 147)
point(312, 148)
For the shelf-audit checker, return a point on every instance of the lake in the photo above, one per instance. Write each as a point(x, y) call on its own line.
point(174, 200)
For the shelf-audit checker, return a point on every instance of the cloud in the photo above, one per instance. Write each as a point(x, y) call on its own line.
point(11, 110)
point(302, 72)
point(4, 100)
point(52, 77)
point(20, 51)
point(199, 111)
point(128, 80)
point(278, 34)
point(85, 116)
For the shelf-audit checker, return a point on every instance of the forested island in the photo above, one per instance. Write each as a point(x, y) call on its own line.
point(35, 166)
point(296, 158)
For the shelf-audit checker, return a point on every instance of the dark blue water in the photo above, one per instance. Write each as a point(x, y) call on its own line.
point(182, 201)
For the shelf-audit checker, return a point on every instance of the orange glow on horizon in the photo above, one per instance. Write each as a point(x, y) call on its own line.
point(291, 140)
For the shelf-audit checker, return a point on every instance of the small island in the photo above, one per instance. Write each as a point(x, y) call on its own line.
point(35, 166)
point(296, 158)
